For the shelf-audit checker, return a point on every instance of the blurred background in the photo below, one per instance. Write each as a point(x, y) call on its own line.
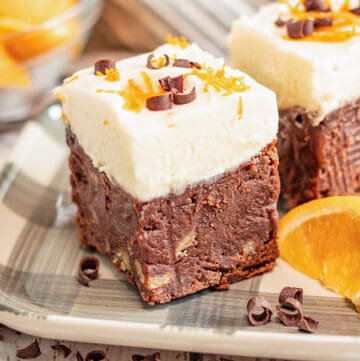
point(42, 43)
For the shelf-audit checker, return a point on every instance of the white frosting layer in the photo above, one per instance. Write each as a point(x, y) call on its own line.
point(320, 76)
point(150, 154)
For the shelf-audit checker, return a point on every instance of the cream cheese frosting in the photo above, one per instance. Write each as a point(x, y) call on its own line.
point(319, 76)
point(152, 153)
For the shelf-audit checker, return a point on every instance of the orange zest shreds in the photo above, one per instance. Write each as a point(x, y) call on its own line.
point(217, 79)
point(147, 81)
point(134, 97)
point(179, 41)
point(70, 80)
point(99, 73)
point(240, 108)
point(158, 62)
point(64, 117)
point(112, 74)
point(345, 24)
point(106, 122)
point(60, 98)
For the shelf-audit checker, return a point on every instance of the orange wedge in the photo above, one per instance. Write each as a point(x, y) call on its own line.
point(321, 238)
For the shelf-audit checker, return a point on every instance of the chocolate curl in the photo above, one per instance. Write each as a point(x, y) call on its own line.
point(196, 65)
point(102, 64)
point(356, 11)
point(182, 63)
point(300, 29)
point(153, 357)
point(88, 269)
point(290, 318)
point(290, 292)
point(151, 66)
point(318, 23)
point(315, 5)
point(29, 352)
point(79, 356)
point(95, 356)
point(169, 83)
point(281, 23)
point(308, 324)
point(184, 98)
point(255, 303)
point(62, 349)
point(159, 102)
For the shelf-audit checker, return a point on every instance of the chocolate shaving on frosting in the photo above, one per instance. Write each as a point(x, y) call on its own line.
point(95, 356)
point(184, 98)
point(356, 11)
point(315, 5)
point(308, 324)
point(196, 65)
point(323, 22)
point(151, 66)
point(102, 64)
point(290, 318)
point(60, 348)
point(159, 102)
point(254, 303)
point(290, 292)
point(88, 269)
point(29, 352)
point(169, 83)
point(300, 29)
point(182, 63)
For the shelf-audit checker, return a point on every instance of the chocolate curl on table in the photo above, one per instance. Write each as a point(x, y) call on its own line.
point(290, 292)
point(256, 319)
point(151, 66)
point(29, 352)
point(60, 348)
point(153, 357)
point(169, 83)
point(300, 29)
point(184, 98)
point(88, 269)
point(159, 102)
point(308, 324)
point(95, 356)
point(102, 64)
point(315, 5)
point(290, 317)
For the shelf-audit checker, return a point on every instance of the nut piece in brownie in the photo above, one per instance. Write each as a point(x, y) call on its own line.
point(174, 169)
point(312, 51)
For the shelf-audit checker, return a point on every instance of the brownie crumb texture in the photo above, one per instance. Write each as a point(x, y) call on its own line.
point(208, 236)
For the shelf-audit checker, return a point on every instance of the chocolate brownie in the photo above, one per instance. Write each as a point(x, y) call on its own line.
point(212, 234)
point(322, 160)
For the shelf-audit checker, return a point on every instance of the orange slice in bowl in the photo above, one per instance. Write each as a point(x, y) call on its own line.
point(321, 238)
point(12, 75)
point(10, 25)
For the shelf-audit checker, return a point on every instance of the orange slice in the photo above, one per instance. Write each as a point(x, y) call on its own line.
point(321, 238)
point(10, 25)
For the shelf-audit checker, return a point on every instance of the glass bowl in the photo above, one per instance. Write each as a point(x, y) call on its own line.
point(43, 54)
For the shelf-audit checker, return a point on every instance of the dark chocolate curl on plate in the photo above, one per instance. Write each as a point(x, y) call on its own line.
point(169, 83)
point(318, 23)
point(159, 102)
point(182, 63)
point(308, 324)
point(88, 269)
point(102, 64)
point(356, 11)
point(29, 352)
point(184, 98)
point(253, 305)
point(61, 349)
point(290, 292)
point(300, 29)
point(151, 66)
point(290, 317)
point(95, 356)
point(315, 5)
